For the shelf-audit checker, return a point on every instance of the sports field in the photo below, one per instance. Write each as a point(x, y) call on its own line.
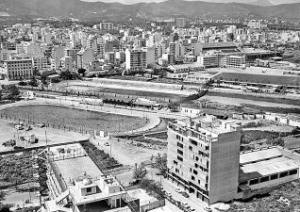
point(76, 118)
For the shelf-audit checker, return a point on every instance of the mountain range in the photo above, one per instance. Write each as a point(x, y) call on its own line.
point(80, 9)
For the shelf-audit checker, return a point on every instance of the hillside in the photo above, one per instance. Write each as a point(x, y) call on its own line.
point(80, 9)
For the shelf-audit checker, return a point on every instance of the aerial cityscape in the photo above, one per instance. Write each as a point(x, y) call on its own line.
point(149, 106)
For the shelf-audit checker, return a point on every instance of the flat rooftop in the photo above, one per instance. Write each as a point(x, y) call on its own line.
point(266, 168)
point(254, 50)
point(252, 157)
point(73, 168)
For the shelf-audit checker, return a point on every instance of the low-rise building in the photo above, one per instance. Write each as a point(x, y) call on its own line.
point(183, 70)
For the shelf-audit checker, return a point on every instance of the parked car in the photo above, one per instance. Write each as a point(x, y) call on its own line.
point(208, 209)
point(186, 205)
point(106, 144)
point(185, 194)
point(19, 127)
point(40, 125)
point(168, 194)
point(28, 128)
point(11, 142)
point(178, 190)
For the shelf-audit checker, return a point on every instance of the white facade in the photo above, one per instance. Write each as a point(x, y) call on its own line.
point(135, 59)
point(18, 69)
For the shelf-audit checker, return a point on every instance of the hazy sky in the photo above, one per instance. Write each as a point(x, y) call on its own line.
point(225, 1)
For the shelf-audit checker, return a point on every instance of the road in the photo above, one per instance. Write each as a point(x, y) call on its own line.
point(192, 201)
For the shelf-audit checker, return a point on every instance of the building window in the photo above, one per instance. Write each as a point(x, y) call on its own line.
point(283, 174)
point(179, 158)
point(195, 172)
point(274, 176)
point(190, 148)
point(180, 144)
point(175, 162)
point(179, 152)
point(253, 182)
point(264, 179)
point(88, 190)
point(194, 142)
point(292, 172)
point(192, 177)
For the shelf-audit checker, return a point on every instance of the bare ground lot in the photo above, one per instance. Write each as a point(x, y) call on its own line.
point(244, 98)
point(239, 101)
point(7, 132)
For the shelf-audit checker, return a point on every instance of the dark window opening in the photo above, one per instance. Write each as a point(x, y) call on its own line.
point(253, 182)
point(274, 176)
point(180, 144)
point(292, 172)
point(283, 174)
point(179, 152)
point(264, 179)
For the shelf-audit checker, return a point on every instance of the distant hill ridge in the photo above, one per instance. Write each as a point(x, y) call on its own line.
point(80, 9)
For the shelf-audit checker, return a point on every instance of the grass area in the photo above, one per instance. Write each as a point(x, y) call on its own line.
point(76, 118)
point(283, 199)
point(100, 158)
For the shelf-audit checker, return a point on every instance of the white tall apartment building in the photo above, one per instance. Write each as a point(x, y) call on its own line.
point(135, 59)
point(203, 157)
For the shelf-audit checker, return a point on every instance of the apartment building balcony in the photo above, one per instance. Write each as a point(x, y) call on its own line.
point(202, 137)
point(178, 129)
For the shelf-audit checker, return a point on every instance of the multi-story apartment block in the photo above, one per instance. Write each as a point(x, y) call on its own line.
point(135, 59)
point(18, 68)
point(236, 61)
point(203, 157)
point(106, 26)
point(181, 22)
point(209, 60)
point(41, 63)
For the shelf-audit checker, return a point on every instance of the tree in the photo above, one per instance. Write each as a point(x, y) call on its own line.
point(44, 78)
point(10, 92)
point(33, 82)
point(81, 71)
point(5, 209)
point(161, 163)
point(68, 75)
point(139, 172)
